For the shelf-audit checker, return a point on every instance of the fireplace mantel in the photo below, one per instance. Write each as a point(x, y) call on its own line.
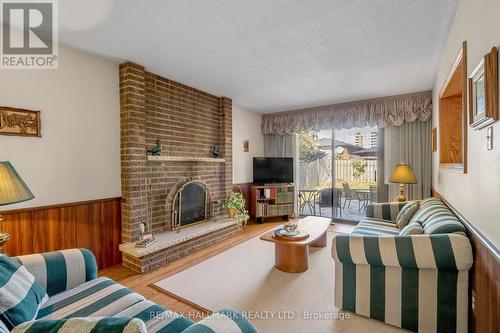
point(184, 159)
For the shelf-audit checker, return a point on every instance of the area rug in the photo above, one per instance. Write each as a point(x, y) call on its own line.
point(244, 278)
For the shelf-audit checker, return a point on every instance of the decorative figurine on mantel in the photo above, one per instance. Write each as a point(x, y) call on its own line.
point(155, 150)
point(146, 239)
point(216, 151)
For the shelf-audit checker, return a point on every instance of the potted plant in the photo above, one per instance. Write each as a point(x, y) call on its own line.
point(234, 204)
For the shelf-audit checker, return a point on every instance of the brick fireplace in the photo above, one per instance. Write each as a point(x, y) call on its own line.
point(188, 122)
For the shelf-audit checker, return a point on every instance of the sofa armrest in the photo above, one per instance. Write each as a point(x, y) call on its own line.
point(61, 270)
point(223, 321)
point(90, 324)
point(385, 211)
point(441, 251)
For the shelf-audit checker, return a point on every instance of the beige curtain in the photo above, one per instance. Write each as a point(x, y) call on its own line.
point(280, 145)
point(409, 143)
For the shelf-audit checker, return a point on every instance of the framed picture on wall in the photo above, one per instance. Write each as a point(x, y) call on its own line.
point(483, 91)
point(19, 122)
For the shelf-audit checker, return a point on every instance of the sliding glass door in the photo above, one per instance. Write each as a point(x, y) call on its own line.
point(338, 172)
point(315, 173)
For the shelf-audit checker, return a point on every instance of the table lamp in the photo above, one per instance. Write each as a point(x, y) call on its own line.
point(402, 174)
point(12, 190)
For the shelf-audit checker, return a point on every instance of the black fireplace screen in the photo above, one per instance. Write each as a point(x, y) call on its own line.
point(192, 206)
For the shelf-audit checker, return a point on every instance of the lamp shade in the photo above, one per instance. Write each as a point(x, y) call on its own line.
point(12, 187)
point(403, 174)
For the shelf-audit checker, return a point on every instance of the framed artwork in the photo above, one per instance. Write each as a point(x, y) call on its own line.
point(246, 146)
point(19, 122)
point(483, 91)
point(434, 139)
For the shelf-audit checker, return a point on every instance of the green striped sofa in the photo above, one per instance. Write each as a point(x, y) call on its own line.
point(78, 298)
point(417, 282)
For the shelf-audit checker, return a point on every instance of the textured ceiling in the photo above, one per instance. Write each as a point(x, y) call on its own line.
point(271, 55)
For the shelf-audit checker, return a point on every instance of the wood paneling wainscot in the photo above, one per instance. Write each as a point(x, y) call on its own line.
point(95, 225)
point(484, 307)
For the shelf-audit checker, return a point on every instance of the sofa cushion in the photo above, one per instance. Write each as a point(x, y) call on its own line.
point(157, 318)
point(63, 270)
point(373, 226)
point(101, 297)
point(436, 218)
point(413, 228)
point(83, 325)
point(21, 296)
point(406, 213)
point(427, 208)
point(444, 223)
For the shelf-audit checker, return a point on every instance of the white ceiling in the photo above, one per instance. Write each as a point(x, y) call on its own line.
point(271, 55)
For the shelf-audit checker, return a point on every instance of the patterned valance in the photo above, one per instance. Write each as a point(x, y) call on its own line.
point(381, 112)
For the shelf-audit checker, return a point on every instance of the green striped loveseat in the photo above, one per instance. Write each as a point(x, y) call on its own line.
point(79, 301)
point(417, 282)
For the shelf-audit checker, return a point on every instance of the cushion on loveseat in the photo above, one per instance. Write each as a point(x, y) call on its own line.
point(384, 210)
point(436, 218)
point(58, 271)
point(373, 226)
point(20, 295)
point(406, 213)
point(413, 228)
point(83, 325)
point(156, 318)
point(101, 297)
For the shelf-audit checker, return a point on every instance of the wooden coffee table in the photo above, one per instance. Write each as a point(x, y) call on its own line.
point(293, 256)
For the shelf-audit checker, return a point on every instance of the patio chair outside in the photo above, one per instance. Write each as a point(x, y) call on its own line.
point(349, 195)
point(325, 199)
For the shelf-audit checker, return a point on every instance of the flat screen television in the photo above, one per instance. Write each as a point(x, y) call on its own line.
point(272, 170)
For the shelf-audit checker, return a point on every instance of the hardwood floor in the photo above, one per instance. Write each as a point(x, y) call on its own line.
point(143, 283)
